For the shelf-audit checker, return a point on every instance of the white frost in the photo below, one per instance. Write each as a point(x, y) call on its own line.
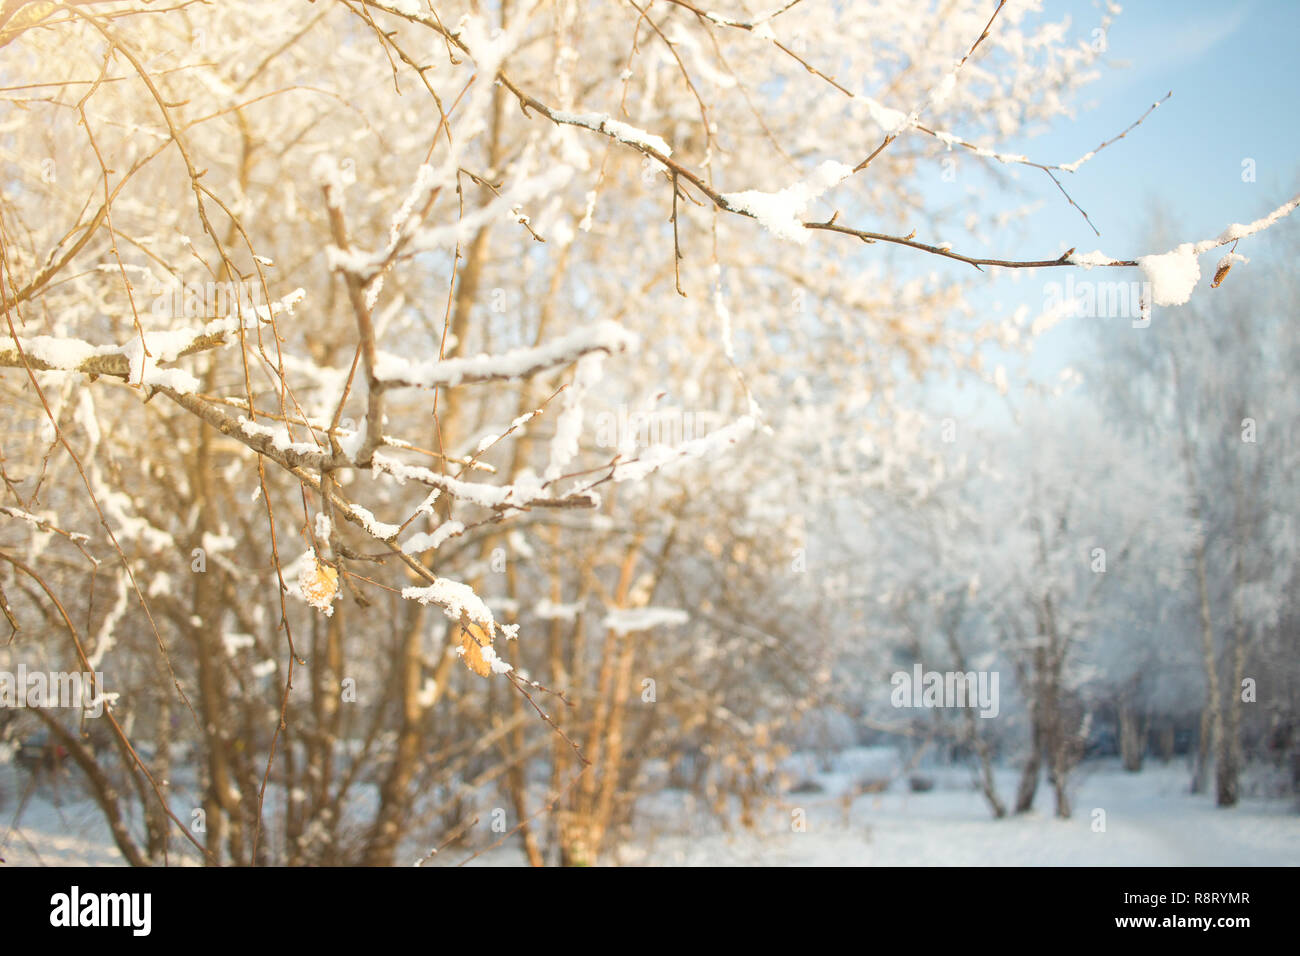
point(549, 611)
point(1173, 275)
point(1089, 259)
point(607, 336)
point(456, 600)
point(430, 541)
point(780, 212)
point(623, 132)
point(633, 619)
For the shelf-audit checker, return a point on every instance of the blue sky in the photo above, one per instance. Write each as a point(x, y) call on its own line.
point(1235, 76)
point(1233, 72)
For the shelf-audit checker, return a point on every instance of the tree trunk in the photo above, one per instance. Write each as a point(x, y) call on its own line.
point(395, 791)
point(1210, 726)
point(1204, 738)
point(1057, 745)
point(1028, 787)
point(1166, 743)
point(1227, 783)
point(1132, 736)
point(1228, 768)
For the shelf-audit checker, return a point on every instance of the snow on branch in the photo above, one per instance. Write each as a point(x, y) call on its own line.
point(137, 360)
point(623, 132)
point(42, 524)
point(406, 233)
point(894, 121)
point(456, 600)
point(780, 212)
point(659, 457)
point(751, 203)
point(423, 541)
point(477, 627)
point(1173, 275)
point(757, 24)
point(632, 620)
point(393, 371)
point(517, 496)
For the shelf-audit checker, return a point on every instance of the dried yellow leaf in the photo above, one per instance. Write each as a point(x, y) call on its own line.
point(473, 639)
point(319, 585)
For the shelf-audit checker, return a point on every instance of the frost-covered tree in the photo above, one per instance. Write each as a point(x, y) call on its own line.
point(1026, 557)
point(1210, 388)
point(312, 312)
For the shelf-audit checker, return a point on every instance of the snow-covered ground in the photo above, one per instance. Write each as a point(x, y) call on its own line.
point(1150, 820)
point(52, 830)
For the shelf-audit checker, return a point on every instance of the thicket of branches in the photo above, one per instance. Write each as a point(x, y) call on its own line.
point(414, 409)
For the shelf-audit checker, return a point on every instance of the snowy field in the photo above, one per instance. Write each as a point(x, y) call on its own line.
point(1150, 820)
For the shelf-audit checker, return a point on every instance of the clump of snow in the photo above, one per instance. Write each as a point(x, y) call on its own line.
point(519, 544)
point(940, 94)
point(623, 132)
point(549, 611)
point(659, 457)
point(277, 435)
point(487, 43)
point(27, 516)
point(428, 693)
point(780, 212)
point(430, 541)
point(217, 543)
point(1238, 231)
point(754, 23)
point(425, 182)
point(458, 601)
point(497, 664)
point(1172, 275)
point(61, 353)
point(236, 642)
point(606, 336)
point(491, 438)
point(568, 426)
point(263, 668)
point(633, 619)
point(145, 370)
point(890, 120)
point(379, 529)
point(1089, 259)
point(486, 496)
point(352, 442)
point(144, 353)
